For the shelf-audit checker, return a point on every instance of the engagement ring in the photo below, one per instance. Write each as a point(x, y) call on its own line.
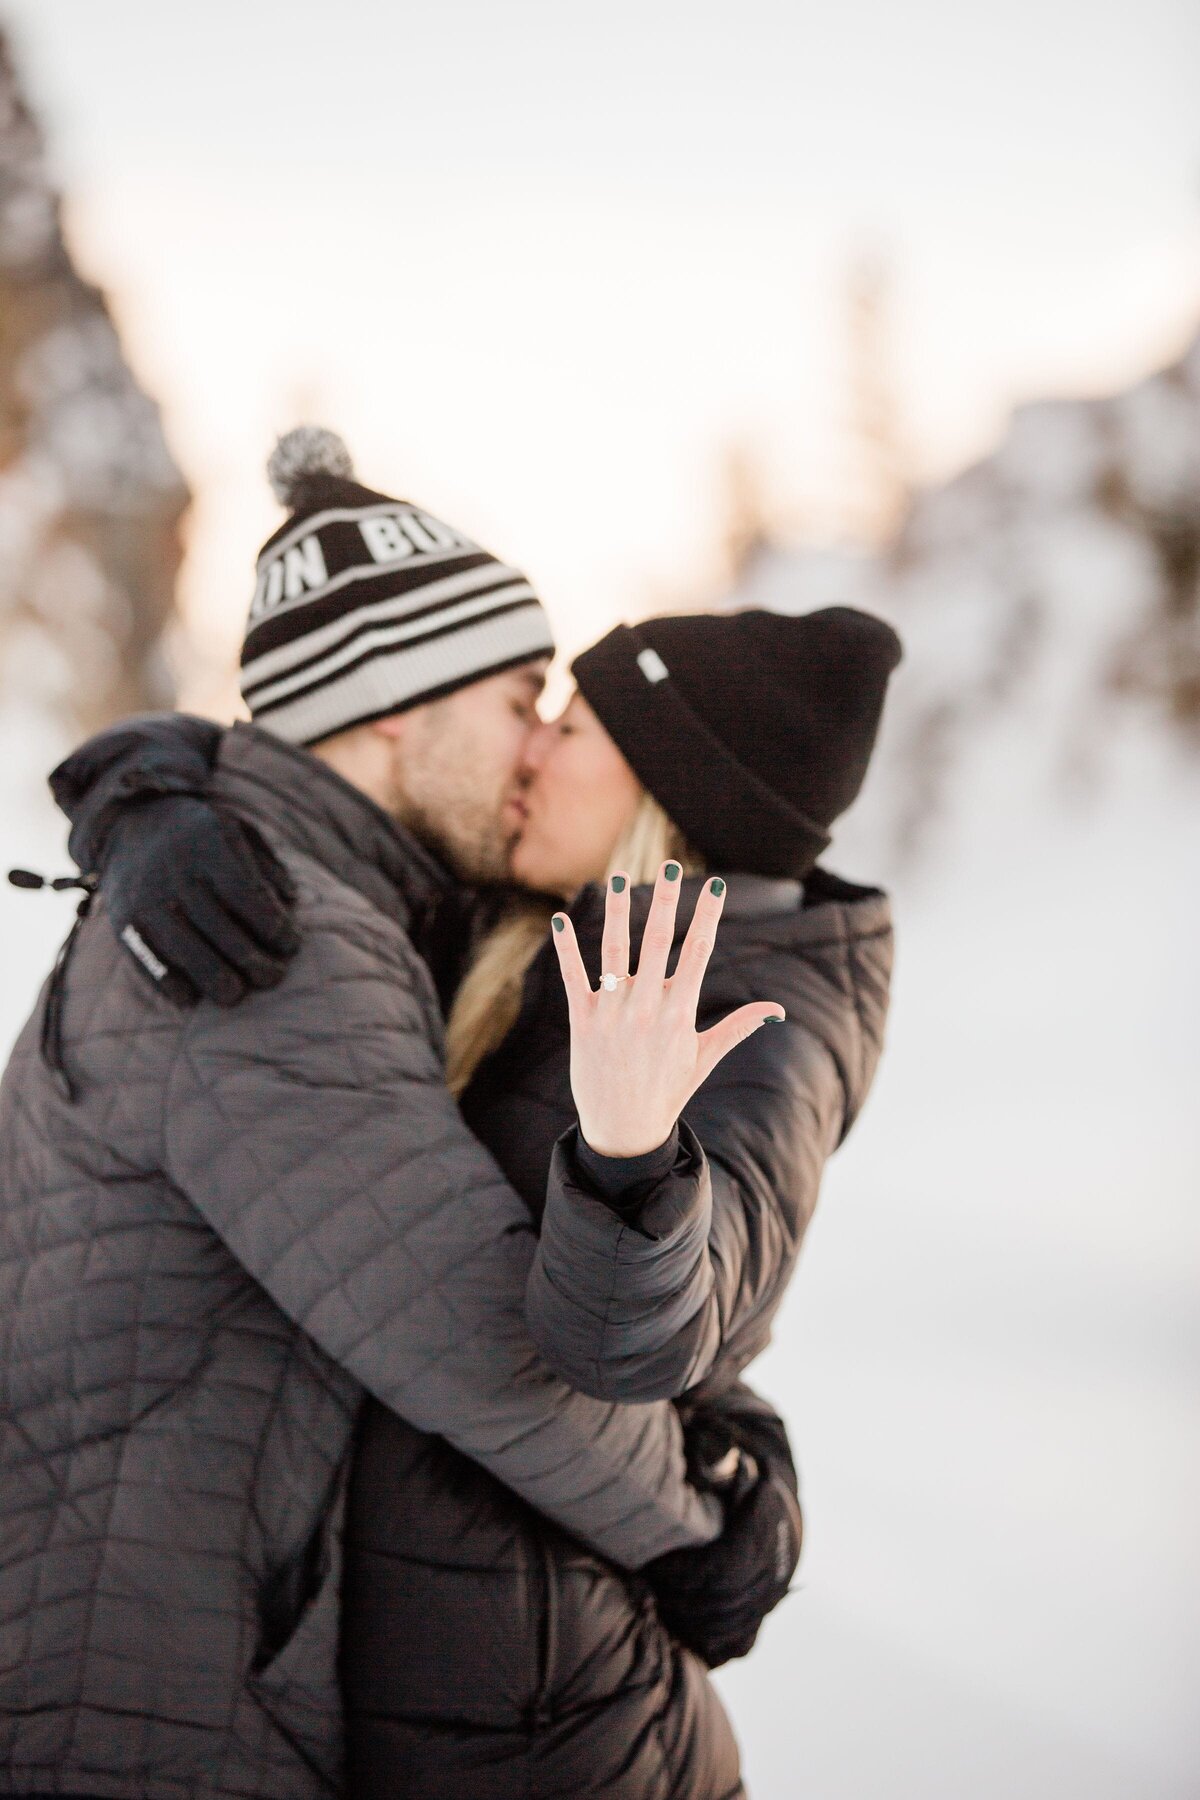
point(609, 982)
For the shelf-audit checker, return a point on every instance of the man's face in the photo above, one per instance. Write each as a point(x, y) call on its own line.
point(455, 770)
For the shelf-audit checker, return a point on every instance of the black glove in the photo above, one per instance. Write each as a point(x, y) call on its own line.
point(195, 894)
point(199, 899)
point(714, 1599)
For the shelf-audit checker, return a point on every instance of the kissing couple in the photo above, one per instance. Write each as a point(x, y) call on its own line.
point(402, 1164)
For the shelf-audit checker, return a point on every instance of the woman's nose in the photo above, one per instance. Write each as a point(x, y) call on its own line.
point(536, 745)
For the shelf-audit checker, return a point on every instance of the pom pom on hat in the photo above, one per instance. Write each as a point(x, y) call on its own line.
point(302, 454)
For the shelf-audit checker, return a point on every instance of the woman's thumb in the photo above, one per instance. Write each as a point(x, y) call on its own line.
point(721, 1038)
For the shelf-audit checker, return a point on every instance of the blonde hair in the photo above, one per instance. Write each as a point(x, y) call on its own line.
point(487, 1003)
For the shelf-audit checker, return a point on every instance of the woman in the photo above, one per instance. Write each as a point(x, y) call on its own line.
point(740, 761)
point(510, 1660)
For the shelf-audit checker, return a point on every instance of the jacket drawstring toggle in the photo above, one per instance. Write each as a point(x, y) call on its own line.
point(52, 1018)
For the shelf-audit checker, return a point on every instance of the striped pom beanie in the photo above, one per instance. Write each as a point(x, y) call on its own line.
point(366, 606)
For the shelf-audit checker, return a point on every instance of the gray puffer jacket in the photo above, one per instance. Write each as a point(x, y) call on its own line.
point(637, 1307)
point(246, 1219)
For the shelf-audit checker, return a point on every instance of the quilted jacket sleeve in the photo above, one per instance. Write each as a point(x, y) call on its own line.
point(312, 1128)
point(156, 753)
point(642, 1308)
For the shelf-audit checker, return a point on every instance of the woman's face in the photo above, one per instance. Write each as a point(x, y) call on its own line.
point(579, 796)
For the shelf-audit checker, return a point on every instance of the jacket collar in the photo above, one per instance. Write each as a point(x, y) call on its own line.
point(299, 799)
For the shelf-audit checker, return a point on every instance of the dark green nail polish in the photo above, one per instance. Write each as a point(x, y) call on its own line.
point(672, 871)
point(558, 923)
point(773, 1019)
point(618, 884)
point(716, 885)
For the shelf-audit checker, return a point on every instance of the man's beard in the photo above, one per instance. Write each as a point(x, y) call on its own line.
point(473, 848)
point(437, 794)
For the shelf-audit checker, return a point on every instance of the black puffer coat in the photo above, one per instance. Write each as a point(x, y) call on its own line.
point(647, 1314)
point(486, 1654)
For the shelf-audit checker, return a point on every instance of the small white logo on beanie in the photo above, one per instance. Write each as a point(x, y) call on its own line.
point(652, 665)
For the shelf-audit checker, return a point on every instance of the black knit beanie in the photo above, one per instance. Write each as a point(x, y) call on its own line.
point(367, 606)
point(752, 730)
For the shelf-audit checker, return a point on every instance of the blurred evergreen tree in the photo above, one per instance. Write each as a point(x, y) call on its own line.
point(90, 497)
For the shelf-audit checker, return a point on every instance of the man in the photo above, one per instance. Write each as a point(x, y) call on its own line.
point(220, 1226)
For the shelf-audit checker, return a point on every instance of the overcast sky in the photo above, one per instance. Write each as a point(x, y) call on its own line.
point(539, 263)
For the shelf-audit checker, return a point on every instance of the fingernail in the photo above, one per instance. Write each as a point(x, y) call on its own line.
point(672, 871)
point(773, 1019)
point(618, 884)
point(558, 923)
point(716, 885)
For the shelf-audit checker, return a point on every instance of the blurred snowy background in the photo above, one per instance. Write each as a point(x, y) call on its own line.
point(681, 310)
point(992, 1355)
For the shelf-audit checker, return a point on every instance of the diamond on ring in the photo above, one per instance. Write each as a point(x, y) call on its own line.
point(609, 982)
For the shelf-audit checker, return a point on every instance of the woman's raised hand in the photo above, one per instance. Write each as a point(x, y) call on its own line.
point(636, 1056)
